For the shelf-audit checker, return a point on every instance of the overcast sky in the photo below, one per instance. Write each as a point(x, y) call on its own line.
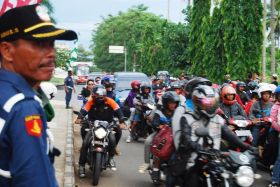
point(83, 15)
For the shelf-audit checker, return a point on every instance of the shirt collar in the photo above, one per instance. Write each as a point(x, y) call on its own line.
point(14, 79)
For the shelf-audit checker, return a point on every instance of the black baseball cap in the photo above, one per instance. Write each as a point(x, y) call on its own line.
point(31, 22)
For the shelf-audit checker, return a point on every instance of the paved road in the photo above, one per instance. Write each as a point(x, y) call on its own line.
point(132, 156)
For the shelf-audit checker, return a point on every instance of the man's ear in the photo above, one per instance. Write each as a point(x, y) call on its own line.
point(7, 50)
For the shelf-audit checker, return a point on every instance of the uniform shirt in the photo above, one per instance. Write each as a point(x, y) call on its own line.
point(23, 138)
point(68, 81)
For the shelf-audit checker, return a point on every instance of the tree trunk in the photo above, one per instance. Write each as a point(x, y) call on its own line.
point(272, 26)
point(264, 41)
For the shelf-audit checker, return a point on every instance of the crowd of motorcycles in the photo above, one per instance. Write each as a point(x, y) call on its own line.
point(227, 167)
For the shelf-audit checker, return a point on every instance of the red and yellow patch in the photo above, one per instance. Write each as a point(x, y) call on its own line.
point(33, 125)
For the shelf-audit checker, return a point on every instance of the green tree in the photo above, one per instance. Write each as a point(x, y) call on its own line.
point(84, 55)
point(197, 35)
point(62, 56)
point(152, 42)
point(229, 41)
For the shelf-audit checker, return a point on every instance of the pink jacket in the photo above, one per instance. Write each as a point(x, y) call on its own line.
point(275, 116)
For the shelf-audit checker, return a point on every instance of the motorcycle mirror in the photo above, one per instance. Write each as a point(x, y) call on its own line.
point(76, 112)
point(201, 132)
point(151, 106)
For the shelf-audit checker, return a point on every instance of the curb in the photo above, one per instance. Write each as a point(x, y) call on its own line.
point(69, 174)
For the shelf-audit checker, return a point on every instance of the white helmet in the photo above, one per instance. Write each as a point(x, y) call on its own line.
point(264, 88)
point(49, 89)
point(273, 87)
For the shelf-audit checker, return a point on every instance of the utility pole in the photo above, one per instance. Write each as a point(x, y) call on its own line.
point(264, 41)
point(168, 10)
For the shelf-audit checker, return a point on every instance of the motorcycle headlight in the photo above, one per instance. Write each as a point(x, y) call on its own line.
point(100, 133)
point(245, 176)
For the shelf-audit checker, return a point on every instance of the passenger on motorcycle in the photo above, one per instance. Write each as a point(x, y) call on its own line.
point(254, 98)
point(178, 88)
point(229, 104)
point(109, 90)
point(205, 101)
point(240, 89)
point(163, 116)
point(139, 102)
point(100, 107)
point(86, 91)
point(275, 116)
point(260, 112)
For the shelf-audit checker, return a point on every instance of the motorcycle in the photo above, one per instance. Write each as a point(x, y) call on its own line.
point(240, 126)
point(143, 128)
point(98, 150)
point(224, 169)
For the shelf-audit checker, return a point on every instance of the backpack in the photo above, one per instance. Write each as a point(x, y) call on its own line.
point(162, 145)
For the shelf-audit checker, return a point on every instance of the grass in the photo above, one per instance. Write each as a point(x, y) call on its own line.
point(57, 81)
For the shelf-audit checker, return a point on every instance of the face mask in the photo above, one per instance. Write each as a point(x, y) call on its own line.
point(99, 101)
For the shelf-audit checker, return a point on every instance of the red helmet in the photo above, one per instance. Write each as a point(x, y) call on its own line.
point(135, 84)
point(228, 90)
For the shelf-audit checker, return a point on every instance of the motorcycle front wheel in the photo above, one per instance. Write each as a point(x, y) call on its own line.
point(96, 169)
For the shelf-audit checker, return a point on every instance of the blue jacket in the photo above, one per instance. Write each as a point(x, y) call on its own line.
point(23, 138)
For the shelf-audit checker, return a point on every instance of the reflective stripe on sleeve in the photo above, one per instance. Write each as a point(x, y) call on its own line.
point(2, 123)
point(39, 100)
point(12, 101)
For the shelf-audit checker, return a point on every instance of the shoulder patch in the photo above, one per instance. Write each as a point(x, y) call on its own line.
point(33, 125)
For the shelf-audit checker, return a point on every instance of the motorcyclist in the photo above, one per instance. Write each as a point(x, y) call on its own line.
point(252, 85)
point(163, 116)
point(260, 111)
point(205, 101)
point(178, 88)
point(229, 105)
point(100, 107)
point(139, 102)
point(240, 90)
point(191, 84)
point(135, 90)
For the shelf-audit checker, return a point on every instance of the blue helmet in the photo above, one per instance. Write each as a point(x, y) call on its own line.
point(277, 90)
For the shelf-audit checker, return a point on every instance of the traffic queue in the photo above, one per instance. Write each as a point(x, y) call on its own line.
point(196, 133)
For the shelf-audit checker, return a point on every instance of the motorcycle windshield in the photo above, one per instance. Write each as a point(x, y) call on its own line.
point(240, 158)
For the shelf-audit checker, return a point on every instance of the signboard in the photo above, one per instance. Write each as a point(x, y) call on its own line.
point(116, 49)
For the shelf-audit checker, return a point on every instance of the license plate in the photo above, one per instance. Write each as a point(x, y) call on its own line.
point(100, 143)
point(243, 133)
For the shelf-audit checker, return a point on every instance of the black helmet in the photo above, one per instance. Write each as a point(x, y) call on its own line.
point(240, 84)
point(144, 86)
point(170, 96)
point(205, 100)
point(175, 85)
point(252, 85)
point(194, 82)
point(99, 91)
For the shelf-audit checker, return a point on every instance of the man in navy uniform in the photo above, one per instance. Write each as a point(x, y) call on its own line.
point(68, 87)
point(27, 57)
